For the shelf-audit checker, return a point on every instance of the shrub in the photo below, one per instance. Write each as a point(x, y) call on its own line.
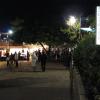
point(87, 60)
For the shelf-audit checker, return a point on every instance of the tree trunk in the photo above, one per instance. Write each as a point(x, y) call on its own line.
point(43, 46)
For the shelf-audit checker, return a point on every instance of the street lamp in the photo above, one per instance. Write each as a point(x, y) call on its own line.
point(10, 32)
point(71, 22)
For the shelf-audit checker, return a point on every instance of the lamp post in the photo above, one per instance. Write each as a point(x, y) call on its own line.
point(71, 22)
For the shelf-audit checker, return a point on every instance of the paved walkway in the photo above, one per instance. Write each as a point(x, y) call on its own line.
point(26, 66)
point(53, 84)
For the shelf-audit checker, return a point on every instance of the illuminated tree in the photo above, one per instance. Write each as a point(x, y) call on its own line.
point(72, 30)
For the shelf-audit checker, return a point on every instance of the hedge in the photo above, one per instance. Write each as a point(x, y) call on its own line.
point(87, 61)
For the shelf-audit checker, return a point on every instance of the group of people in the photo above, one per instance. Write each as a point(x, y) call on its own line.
point(12, 59)
point(39, 57)
point(63, 56)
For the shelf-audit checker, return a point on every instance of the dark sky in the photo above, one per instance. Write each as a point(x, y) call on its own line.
point(45, 10)
point(46, 7)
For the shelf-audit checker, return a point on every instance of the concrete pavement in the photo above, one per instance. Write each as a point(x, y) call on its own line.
point(26, 66)
point(53, 84)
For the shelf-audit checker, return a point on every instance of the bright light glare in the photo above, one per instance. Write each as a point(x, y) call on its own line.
point(10, 32)
point(71, 21)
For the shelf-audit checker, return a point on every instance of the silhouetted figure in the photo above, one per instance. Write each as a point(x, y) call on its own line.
point(7, 59)
point(16, 59)
point(0, 53)
point(12, 59)
point(28, 56)
point(39, 55)
point(19, 55)
point(43, 59)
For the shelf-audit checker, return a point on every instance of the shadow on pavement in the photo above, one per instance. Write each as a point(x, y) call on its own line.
point(20, 82)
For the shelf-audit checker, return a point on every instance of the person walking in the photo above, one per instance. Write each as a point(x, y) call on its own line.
point(12, 59)
point(39, 55)
point(28, 56)
point(34, 59)
point(16, 59)
point(43, 59)
point(7, 59)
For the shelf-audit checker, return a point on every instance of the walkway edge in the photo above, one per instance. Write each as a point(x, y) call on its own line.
point(79, 83)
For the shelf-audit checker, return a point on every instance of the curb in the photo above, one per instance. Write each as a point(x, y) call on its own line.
point(79, 86)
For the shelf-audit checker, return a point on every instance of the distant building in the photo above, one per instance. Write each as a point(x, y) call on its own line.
point(23, 48)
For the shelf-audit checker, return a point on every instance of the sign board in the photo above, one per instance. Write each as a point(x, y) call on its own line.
point(98, 25)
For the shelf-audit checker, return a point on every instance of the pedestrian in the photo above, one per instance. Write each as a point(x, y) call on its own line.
point(28, 55)
point(12, 59)
point(34, 60)
point(43, 60)
point(16, 59)
point(39, 55)
point(19, 55)
point(7, 59)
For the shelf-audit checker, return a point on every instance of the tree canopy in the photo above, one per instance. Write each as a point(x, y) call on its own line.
point(32, 32)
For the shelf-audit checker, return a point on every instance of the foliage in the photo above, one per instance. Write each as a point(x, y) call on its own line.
point(92, 21)
point(73, 33)
point(87, 60)
point(30, 32)
point(17, 27)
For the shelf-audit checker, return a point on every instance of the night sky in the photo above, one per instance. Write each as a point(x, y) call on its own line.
point(45, 11)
